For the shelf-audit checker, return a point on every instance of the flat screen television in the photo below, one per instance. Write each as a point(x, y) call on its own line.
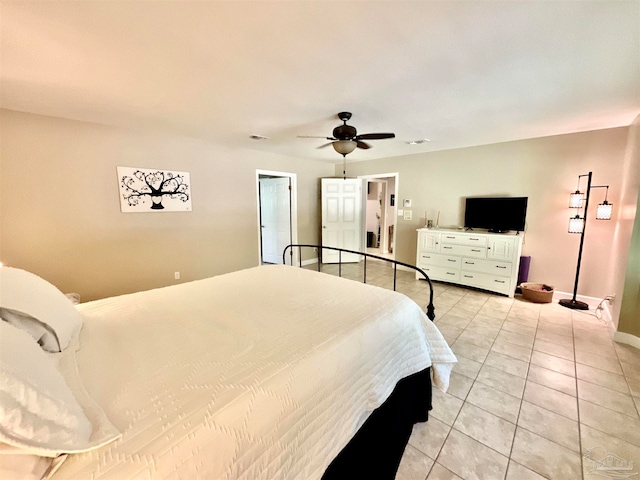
point(497, 214)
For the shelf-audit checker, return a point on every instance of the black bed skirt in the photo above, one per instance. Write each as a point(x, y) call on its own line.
point(376, 449)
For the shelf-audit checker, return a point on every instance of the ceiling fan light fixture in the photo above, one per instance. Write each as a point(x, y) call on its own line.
point(344, 147)
point(345, 138)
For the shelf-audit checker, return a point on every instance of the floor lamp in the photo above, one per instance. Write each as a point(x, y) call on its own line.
point(578, 224)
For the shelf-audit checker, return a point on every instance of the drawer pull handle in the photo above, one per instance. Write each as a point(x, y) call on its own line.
point(451, 237)
point(499, 281)
point(450, 273)
point(476, 239)
point(498, 266)
point(475, 250)
point(468, 276)
point(451, 260)
point(469, 263)
point(448, 247)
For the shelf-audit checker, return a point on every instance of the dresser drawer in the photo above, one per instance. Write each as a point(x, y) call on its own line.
point(488, 282)
point(487, 266)
point(464, 239)
point(464, 251)
point(442, 273)
point(438, 260)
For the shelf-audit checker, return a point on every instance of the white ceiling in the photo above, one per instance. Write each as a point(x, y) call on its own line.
point(460, 73)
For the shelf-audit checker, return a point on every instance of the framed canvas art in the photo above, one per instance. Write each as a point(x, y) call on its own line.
point(153, 190)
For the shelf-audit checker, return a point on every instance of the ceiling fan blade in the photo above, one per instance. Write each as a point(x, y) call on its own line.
point(362, 145)
point(315, 136)
point(375, 136)
point(326, 144)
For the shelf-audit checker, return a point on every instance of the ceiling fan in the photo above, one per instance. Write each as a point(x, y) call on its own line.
point(345, 138)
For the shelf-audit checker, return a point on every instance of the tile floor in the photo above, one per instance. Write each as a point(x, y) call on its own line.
point(540, 391)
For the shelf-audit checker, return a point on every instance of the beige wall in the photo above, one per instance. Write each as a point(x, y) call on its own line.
point(545, 170)
point(60, 213)
point(628, 308)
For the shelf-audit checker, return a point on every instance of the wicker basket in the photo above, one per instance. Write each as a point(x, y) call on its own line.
point(537, 292)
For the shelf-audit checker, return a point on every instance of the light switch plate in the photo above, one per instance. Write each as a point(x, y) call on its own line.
point(400, 212)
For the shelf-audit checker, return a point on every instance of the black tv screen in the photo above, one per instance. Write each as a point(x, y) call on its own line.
point(497, 214)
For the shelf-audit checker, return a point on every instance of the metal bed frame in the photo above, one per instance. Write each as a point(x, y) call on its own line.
point(430, 309)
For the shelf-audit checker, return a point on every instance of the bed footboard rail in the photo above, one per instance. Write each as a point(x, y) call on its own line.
point(430, 309)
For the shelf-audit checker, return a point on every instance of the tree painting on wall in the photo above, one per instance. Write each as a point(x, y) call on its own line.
point(153, 190)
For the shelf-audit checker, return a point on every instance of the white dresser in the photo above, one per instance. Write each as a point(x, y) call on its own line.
point(489, 261)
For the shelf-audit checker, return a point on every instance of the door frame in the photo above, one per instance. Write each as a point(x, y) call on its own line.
point(384, 176)
point(382, 185)
point(293, 206)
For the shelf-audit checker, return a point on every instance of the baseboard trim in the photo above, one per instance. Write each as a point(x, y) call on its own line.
point(310, 261)
point(593, 303)
point(627, 338)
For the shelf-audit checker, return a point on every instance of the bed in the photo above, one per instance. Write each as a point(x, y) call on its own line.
point(272, 372)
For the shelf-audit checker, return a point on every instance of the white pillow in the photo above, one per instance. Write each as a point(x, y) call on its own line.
point(25, 296)
point(38, 411)
point(41, 333)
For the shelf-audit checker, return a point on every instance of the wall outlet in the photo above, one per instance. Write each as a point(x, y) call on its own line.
point(176, 275)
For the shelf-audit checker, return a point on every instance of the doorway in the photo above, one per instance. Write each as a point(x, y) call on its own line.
point(277, 215)
point(380, 212)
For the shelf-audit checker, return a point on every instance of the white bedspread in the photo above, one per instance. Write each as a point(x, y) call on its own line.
point(260, 374)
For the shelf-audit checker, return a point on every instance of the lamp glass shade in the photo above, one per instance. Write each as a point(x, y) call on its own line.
point(575, 199)
point(344, 147)
point(604, 211)
point(576, 224)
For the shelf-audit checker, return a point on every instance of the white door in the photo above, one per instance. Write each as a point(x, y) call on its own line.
point(342, 218)
point(275, 218)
